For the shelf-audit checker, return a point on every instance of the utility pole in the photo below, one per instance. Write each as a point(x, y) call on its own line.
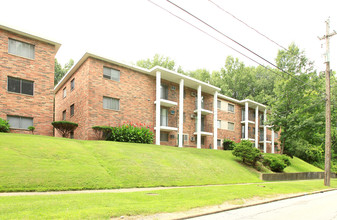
point(327, 105)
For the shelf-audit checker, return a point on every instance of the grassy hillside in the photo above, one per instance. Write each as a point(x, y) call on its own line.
point(40, 163)
point(298, 165)
point(32, 162)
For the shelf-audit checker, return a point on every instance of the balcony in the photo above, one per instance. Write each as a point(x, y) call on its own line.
point(205, 130)
point(251, 135)
point(261, 139)
point(251, 117)
point(206, 108)
point(164, 97)
point(165, 123)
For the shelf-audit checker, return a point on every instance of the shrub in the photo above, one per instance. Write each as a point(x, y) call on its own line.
point(4, 126)
point(32, 129)
point(228, 144)
point(247, 152)
point(276, 162)
point(64, 127)
point(131, 133)
point(102, 132)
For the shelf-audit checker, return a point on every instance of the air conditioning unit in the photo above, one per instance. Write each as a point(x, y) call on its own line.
point(192, 138)
point(193, 116)
point(193, 94)
point(173, 88)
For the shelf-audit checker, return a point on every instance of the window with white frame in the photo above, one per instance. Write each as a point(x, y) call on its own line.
point(218, 124)
point(218, 141)
point(110, 103)
point(164, 136)
point(219, 104)
point(18, 122)
point(20, 48)
point(231, 126)
point(65, 92)
point(275, 135)
point(64, 115)
point(110, 73)
point(72, 84)
point(72, 110)
point(230, 107)
point(20, 86)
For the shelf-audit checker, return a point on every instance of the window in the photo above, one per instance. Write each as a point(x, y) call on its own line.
point(163, 117)
point(163, 136)
point(230, 107)
point(19, 122)
point(185, 139)
point(21, 49)
point(218, 142)
point(219, 124)
point(20, 86)
point(72, 84)
point(72, 135)
point(242, 131)
point(202, 140)
point(231, 126)
point(65, 92)
point(110, 73)
point(163, 91)
point(219, 104)
point(64, 115)
point(72, 110)
point(110, 103)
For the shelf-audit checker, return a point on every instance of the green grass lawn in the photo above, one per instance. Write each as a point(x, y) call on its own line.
point(298, 165)
point(107, 205)
point(40, 163)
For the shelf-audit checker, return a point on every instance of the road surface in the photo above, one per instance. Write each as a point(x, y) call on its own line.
point(321, 206)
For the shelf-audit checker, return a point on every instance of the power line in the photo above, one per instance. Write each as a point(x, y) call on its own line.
point(265, 36)
point(215, 38)
point(205, 23)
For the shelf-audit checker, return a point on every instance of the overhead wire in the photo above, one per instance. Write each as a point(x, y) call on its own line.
point(246, 48)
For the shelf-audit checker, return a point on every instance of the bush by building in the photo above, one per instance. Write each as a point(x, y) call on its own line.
point(64, 127)
point(4, 126)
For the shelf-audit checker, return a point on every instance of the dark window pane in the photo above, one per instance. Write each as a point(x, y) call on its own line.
point(72, 84)
point(13, 85)
point(27, 87)
point(72, 109)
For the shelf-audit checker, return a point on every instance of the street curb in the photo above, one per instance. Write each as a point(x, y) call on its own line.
point(258, 203)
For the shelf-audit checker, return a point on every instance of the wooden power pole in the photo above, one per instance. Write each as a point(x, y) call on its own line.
point(327, 105)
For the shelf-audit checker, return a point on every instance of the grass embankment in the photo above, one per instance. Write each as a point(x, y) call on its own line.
point(40, 163)
point(107, 205)
point(298, 165)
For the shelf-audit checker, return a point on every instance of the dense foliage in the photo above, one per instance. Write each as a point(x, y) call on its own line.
point(4, 126)
point(102, 132)
point(64, 127)
point(61, 71)
point(130, 133)
point(228, 144)
point(249, 154)
point(275, 162)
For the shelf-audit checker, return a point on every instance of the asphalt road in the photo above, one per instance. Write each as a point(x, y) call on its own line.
point(321, 206)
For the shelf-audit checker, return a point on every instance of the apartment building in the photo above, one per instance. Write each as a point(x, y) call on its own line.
point(183, 111)
point(26, 80)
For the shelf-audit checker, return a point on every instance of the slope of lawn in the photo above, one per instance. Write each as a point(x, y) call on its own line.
point(107, 205)
point(298, 165)
point(40, 163)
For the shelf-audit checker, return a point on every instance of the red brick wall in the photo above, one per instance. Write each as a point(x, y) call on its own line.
point(41, 71)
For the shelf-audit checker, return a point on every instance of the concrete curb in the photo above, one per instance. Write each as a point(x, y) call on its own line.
point(257, 203)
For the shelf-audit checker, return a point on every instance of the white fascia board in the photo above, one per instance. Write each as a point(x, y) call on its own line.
point(229, 98)
point(26, 34)
point(253, 103)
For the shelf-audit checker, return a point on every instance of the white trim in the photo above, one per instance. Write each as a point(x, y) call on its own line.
point(165, 128)
point(199, 118)
point(246, 121)
point(215, 121)
point(264, 132)
point(181, 112)
point(158, 83)
point(257, 127)
point(166, 103)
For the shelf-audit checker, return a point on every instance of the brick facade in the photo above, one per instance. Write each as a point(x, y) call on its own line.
point(136, 92)
point(40, 70)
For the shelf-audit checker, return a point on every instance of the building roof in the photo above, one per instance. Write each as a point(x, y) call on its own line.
point(10, 29)
point(168, 75)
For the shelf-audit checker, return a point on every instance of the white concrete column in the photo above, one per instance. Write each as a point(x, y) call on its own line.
point(257, 127)
point(265, 131)
point(158, 82)
point(272, 141)
point(199, 118)
point(181, 112)
point(246, 120)
point(215, 120)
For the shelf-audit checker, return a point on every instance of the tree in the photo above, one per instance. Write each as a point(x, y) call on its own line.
point(200, 74)
point(64, 127)
point(297, 106)
point(61, 71)
point(158, 60)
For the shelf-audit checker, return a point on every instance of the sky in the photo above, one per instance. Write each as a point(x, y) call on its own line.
point(130, 30)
